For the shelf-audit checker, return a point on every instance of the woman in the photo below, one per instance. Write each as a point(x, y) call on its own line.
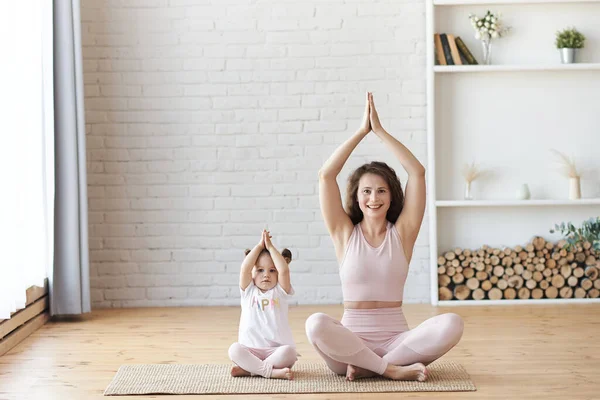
point(374, 240)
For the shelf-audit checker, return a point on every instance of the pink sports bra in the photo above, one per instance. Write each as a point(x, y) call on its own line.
point(374, 274)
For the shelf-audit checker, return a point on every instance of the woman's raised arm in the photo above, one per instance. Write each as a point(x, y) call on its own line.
point(409, 222)
point(337, 221)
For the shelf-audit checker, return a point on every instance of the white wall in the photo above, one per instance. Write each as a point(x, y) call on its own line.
point(209, 119)
point(508, 123)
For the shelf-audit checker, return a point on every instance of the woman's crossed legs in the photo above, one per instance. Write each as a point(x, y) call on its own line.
point(402, 356)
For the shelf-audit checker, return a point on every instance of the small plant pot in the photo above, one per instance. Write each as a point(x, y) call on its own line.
point(567, 56)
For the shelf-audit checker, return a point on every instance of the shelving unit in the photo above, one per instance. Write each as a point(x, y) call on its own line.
point(513, 302)
point(506, 116)
point(515, 203)
point(500, 2)
point(509, 68)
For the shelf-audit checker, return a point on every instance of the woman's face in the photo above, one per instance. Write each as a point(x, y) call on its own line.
point(373, 195)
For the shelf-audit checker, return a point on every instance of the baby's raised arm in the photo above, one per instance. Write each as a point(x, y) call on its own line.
point(250, 261)
point(282, 265)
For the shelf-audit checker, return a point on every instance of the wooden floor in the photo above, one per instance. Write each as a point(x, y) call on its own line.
point(511, 352)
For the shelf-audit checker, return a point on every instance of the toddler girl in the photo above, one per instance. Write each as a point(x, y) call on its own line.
point(265, 344)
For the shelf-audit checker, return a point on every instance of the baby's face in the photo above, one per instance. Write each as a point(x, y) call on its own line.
point(264, 273)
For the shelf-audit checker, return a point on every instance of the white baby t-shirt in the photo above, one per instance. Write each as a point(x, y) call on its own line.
point(264, 320)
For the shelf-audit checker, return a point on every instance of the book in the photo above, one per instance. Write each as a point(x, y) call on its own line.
point(462, 58)
point(454, 50)
point(439, 51)
point(446, 47)
point(465, 51)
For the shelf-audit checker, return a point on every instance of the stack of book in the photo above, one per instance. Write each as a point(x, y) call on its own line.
point(450, 50)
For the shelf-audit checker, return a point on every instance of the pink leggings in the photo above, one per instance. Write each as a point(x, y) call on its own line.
point(372, 339)
point(262, 361)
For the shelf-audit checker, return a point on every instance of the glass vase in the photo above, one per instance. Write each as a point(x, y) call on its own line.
point(487, 52)
point(468, 194)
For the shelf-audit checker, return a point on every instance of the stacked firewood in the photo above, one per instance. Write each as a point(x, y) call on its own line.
point(539, 270)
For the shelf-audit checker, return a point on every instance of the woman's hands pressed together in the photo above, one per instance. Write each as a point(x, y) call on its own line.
point(365, 126)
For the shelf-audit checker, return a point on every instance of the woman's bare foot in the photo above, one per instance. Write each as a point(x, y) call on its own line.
point(237, 371)
point(413, 372)
point(353, 373)
point(282, 373)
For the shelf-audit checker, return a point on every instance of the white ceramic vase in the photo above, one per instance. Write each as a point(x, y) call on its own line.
point(523, 192)
point(574, 188)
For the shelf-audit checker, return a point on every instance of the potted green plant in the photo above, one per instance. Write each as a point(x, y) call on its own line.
point(588, 232)
point(567, 41)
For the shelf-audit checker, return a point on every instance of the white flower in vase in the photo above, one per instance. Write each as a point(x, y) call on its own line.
point(487, 28)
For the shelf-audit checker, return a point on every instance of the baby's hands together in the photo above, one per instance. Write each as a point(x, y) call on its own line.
point(261, 243)
point(267, 238)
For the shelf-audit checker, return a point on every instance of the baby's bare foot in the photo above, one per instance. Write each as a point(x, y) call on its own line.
point(237, 371)
point(414, 372)
point(282, 373)
point(354, 372)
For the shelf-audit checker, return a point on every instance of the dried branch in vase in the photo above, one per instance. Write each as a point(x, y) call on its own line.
point(567, 165)
point(471, 172)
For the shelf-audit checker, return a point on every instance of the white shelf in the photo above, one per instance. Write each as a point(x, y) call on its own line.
point(513, 68)
point(443, 303)
point(515, 203)
point(500, 112)
point(484, 2)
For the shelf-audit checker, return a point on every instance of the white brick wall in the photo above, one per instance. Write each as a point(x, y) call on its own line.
point(208, 120)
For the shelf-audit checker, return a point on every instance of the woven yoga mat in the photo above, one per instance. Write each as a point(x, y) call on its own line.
point(443, 376)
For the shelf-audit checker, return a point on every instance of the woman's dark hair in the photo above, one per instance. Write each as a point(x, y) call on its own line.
point(286, 253)
point(389, 175)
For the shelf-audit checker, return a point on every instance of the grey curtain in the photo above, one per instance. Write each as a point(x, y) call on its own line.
point(69, 279)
